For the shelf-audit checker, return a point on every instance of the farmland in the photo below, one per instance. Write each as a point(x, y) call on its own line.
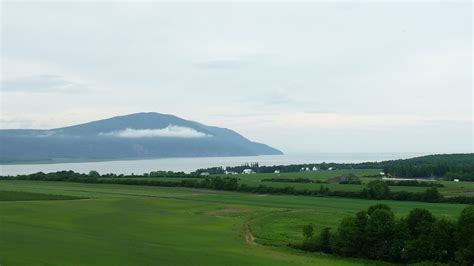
point(26, 196)
point(449, 188)
point(136, 225)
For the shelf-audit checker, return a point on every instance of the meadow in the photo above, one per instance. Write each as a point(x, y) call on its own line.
point(105, 224)
point(449, 188)
point(25, 196)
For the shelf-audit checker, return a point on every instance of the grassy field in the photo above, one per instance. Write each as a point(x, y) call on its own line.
point(134, 225)
point(25, 196)
point(450, 188)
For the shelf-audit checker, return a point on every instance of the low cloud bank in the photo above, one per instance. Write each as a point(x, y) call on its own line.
point(170, 131)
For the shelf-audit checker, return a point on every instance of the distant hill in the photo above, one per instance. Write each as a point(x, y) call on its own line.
point(141, 135)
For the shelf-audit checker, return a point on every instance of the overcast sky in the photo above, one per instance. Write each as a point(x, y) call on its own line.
point(306, 77)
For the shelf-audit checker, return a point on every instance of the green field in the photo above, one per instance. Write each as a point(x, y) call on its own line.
point(134, 225)
point(450, 188)
point(25, 196)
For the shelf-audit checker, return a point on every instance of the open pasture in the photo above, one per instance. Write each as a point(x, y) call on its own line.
point(26, 196)
point(450, 188)
point(135, 225)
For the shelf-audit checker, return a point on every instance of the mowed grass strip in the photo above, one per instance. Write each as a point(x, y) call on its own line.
point(28, 196)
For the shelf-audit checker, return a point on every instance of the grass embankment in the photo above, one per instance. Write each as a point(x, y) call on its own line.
point(27, 196)
point(135, 225)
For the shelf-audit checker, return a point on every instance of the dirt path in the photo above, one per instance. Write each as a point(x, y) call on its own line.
point(249, 238)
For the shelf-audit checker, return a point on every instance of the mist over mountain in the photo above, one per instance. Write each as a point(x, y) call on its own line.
point(141, 135)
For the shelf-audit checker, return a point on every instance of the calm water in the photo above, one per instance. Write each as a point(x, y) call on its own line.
point(191, 164)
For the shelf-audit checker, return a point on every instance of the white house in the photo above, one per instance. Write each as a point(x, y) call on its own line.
point(204, 174)
point(456, 180)
point(230, 172)
point(331, 168)
point(315, 168)
point(277, 171)
point(248, 171)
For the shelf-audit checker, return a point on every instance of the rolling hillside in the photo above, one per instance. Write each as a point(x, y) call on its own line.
point(141, 135)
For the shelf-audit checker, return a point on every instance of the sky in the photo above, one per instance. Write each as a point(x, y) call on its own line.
point(303, 77)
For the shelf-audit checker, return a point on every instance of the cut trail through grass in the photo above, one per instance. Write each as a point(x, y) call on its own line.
point(29, 196)
point(140, 225)
point(249, 237)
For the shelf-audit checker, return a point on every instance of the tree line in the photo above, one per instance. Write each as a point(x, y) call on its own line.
point(377, 189)
point(452, 166)
point(64, 175)
point(445, 166)
point(412, 183)
point(419, 237)
point(291, 180)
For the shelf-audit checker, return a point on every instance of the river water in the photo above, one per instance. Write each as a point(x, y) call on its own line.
point(191, 164)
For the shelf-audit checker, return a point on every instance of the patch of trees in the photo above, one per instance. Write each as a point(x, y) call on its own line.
point(377, 234)
point(412, 183)
point(380, 190)
point(452, 166)
point(167, 174)
point(211, 170)
point(371, 175)
point(266, 169)
point(221, 170)
point(292, 180)
point(351, 182)
point(377, 189)
point(65, 175)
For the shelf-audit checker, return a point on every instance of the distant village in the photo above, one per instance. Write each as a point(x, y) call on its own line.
point(249, 171)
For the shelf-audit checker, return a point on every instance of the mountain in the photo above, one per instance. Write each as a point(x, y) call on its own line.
point(141, 135)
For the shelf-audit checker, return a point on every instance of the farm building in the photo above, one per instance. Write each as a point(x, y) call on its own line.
point(248, 171)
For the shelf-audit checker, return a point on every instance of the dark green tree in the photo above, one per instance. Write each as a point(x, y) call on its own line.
point(377, 189)
point(465, 237)
point(380, 232)
point(443, 243)
point(432, 195)
point(94, 173)
point(419, 222)
point(399, 241)
point(325, 240)
point(420, 227)
point(308, 231)
point(310, 243)
point(348, 238)
point(375, 207)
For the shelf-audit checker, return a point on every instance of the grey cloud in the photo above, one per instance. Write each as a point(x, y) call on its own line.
point(221, 64)
point(17, 123)
point(316, 110)
point(42, 83)
point(243, 63)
